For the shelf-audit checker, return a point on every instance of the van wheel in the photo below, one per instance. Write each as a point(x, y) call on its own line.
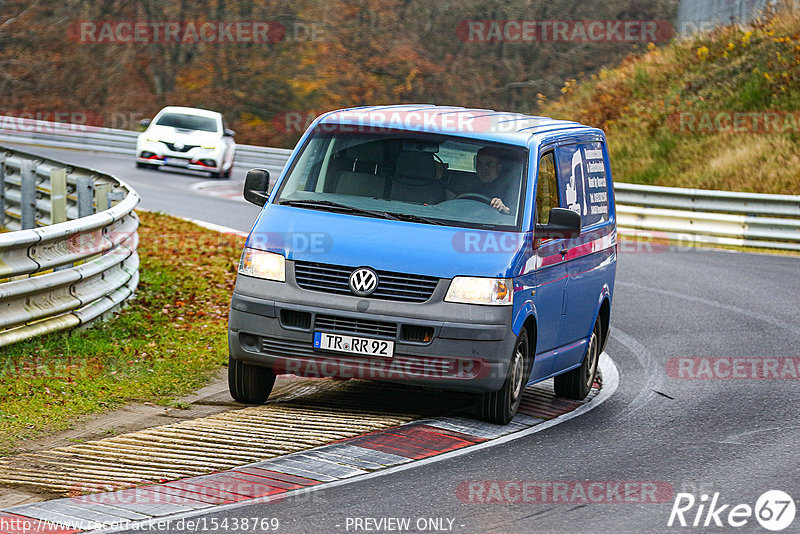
point(577, 384)
point(501, 406)
point(249, 384)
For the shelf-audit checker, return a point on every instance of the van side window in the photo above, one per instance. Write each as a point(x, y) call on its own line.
point(546, 188)
point(583, 183)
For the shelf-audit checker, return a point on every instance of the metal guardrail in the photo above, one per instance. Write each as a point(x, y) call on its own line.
point(72, 258)
point(697, 16)
point(710, 217)
point(60, 135)
point(686, 215)
point(700, 15)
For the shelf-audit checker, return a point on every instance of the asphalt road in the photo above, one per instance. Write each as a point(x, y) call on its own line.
point(735, 437)
point(169, 190)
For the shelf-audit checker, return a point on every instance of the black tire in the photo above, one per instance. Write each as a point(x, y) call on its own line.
point(249, 384)
point(140, 165)
point(229, 172)
point(577, 384)
point(501, 406)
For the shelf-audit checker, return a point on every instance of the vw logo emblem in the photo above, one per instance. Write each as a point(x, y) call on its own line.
point(363, 281)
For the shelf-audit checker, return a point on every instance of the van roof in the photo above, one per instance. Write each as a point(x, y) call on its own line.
point(486, 124)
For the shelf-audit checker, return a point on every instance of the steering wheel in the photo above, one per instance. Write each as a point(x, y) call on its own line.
point(474, 196)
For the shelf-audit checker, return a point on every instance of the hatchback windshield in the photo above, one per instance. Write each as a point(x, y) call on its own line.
point(183, 121)
point(433, 179)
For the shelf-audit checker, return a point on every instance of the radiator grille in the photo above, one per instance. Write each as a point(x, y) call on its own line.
point(296, 319)
point(355, 326)
point(186, 148)
point(391, 285)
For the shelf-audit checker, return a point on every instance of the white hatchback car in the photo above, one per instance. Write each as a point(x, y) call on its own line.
point(188, 138)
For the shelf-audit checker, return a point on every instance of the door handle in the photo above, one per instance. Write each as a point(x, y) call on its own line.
point(563, 251)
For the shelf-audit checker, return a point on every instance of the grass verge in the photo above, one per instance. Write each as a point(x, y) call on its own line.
point(166, 343)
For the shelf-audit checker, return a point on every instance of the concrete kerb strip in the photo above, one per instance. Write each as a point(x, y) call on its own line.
point(381, 452)
point(610, 384)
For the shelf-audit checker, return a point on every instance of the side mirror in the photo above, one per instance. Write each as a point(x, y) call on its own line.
point(145, 122)
point(563, 224)
point(256, 186)
point(228, 133)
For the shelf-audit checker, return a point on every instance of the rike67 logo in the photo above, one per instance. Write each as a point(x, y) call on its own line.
point(774, 511)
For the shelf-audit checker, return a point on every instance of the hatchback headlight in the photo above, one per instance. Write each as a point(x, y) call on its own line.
point(470, 290)
point(261, 264)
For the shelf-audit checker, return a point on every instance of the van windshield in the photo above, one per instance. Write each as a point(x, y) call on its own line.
point(410, 176)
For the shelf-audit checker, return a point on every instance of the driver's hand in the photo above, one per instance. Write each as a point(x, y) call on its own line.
point(497, 204)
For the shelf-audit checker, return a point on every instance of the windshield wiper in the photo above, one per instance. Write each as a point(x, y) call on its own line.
point(344, 208)
point(413, 218)
point(394, 216)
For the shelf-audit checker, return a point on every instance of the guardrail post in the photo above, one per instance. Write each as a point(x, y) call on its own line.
point(2, 190)
point(101, 192)
point(58, 195)
point(85, 192)
point(27, 195)
point(115, 197)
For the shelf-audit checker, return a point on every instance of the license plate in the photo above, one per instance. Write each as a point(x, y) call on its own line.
point(176, 162)
point(354, 345)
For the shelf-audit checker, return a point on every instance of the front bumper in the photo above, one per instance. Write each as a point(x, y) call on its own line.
point(469, 347)
point(158, 155)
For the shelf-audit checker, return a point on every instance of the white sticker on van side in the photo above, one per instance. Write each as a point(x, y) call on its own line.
point(597, 182)
point(596, 166)
point(594, 154)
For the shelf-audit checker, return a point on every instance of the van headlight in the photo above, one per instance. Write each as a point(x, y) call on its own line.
point(470, 290)
point(261, 264)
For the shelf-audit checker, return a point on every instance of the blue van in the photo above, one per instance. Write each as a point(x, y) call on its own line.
point(461, 249)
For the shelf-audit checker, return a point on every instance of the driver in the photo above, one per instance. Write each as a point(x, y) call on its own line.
point(493, 182)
